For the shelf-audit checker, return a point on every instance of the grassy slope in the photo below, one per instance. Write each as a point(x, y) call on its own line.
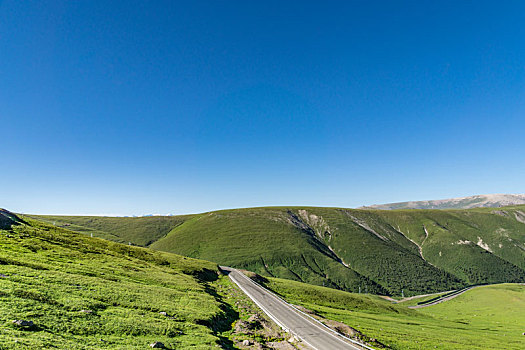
point(414, 251)
point(381, 246)
point(488, 317)
point(265, 242)
point(141, 231)
point(48, 275)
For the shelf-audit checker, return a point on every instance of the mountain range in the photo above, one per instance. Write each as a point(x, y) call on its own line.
point(479, 201)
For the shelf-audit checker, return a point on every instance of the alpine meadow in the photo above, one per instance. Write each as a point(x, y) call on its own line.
point(262, 175)
point(342, 266)
point(383, 252)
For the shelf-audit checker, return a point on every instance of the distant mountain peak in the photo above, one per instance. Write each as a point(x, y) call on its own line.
point(478, 201)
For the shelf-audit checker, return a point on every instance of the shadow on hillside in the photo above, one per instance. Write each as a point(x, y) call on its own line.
point(223, 322)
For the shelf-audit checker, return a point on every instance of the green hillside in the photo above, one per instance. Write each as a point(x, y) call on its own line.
point(385, 252)
point(77, 292)
point(414, 251)
point(487, 317)
point(87, 293)
point(140, 231)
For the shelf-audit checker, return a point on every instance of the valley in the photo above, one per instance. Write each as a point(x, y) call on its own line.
point(363, 273)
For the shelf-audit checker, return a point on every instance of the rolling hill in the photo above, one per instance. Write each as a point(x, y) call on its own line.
point(141, 231)
point(385, 252)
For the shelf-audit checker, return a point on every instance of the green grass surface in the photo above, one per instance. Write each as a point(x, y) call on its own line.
point(49, 275)
point(384, 252)
point(140, 231)
point(488, 317)
point(390, 252)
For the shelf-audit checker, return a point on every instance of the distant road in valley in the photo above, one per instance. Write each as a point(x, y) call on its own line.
point(302, 326)
point(446, 297)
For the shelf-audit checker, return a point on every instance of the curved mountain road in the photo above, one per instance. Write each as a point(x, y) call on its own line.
point(444, 298)
point(313, 333)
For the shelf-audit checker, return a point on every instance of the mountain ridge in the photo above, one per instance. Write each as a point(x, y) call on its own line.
point(477, 201)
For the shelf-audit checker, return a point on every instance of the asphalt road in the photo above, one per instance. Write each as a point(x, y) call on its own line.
point(302, 326)
point(445, 298)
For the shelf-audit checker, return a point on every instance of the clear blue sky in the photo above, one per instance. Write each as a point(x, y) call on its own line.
point(137, 107)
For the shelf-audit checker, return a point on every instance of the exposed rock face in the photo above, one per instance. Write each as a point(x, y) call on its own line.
point(7, 219)
point(157, 345)
point(24, 323)
point(520, 216)
point(317, 223)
